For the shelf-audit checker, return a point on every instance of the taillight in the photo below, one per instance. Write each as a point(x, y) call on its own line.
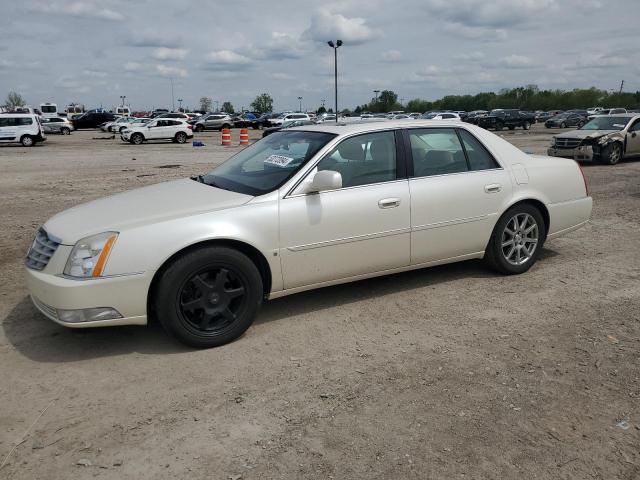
point(584, 179)
point(190, 127)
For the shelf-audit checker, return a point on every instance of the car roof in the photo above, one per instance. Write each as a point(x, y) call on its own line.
point(624, 115)
point(18, 114)
point(364, 127)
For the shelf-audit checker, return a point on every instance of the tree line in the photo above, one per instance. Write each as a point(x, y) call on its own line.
point(529, 97)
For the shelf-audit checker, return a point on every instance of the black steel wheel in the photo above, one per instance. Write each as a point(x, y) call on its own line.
point(209, 296)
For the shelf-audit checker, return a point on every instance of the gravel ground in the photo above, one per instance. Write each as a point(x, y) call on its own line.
point(449, 372)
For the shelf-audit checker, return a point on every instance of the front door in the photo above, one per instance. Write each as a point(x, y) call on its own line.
point(360, 228)
point(633, 139)
point(457, 191)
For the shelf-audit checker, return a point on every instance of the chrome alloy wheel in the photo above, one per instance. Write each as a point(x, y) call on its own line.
point(520, 239)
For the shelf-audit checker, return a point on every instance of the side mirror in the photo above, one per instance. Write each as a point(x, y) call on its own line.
point(325, 180)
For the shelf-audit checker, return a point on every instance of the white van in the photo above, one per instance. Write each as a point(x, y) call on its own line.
point(21, 128)
point(123, 111)
point(49, 110)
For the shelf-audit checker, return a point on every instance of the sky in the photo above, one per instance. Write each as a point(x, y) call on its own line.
point(92, 52)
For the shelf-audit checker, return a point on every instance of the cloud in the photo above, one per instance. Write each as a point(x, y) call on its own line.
point(475, 33)
point(281, 76)
point(228, 59)
point(5, 63)
point(165, 71)
point(164, 53)
point(599, 60)
point(516, 61)
point(94, 73)
point(282, 46)
point(80, 9)
point(470, 57)
point(494, 13)
point(391, 56)
point(134, 67)
point(327, 26)
point(153, 40)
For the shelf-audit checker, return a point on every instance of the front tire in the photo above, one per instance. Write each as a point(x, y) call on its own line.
point(65, 131)
point(516, 240)
point(526, 125)
point(499, 126)
point(208, 297)
point(199, 128)
point(612, 154)
point(137, 138)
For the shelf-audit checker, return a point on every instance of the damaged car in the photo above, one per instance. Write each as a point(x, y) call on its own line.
point(605, 139)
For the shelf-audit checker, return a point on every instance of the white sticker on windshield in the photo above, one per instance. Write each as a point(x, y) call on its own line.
point(278, 160)
point(618, 125)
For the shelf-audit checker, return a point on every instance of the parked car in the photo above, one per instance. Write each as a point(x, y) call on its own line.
point(605, 139)
point(285, 125)
point(440, 116)
point(175, 130)
point(274, 122)
point(158, 111)
point(24, 128)
point(327, 117)
point(178, 115)
point(594, 110)
point(246, 120)
point(263, 120)
point(473, 116)
point(92, 119)
point(49, 110)
point(544, 116)
point(608, 111)
point(499, 119)
point(115, 125)
point(131, 122)
point(57, 125)
point(282, 216)
point(567, 119)
point(213, 121)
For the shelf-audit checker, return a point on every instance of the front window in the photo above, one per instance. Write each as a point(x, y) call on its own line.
point(606, 123)
point(267, 164)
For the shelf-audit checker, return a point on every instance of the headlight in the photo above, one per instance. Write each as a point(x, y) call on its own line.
point(89, 256)
point(553, 141)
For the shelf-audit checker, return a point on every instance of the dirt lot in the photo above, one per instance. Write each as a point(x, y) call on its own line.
point(450, 372)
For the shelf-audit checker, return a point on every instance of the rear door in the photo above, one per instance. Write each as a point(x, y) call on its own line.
point(457, 191)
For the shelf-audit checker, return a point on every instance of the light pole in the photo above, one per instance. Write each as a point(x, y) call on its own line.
point(335, 47)
point(122, 97)
point(300, 100)
point(173, 102)
point(180, 104)
point(376, 92)
point(217, 103)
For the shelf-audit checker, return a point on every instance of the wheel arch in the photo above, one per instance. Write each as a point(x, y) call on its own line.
point(255, 255)
point(544, 211)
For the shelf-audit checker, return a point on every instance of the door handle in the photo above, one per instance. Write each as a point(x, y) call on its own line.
point(389, 202)
point(493, 188)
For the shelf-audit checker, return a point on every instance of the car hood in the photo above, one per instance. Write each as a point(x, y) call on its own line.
point(141, 206)
point(582, 134)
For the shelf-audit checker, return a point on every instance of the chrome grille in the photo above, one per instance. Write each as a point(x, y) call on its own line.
point(41, 250)
point(567, 142)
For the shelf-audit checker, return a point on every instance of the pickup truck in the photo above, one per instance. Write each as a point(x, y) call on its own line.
point(498, 119)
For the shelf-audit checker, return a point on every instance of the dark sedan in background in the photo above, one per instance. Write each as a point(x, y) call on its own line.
point(567, 119)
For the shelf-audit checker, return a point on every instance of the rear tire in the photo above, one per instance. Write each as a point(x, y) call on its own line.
point(180, 137)
point(137, 139)
point(499, 126)
point(27, 141)
point(526, 125)
point(563, 125)
point(516, 240)
point(65, 131)
point(209, 296)
point(199, 128)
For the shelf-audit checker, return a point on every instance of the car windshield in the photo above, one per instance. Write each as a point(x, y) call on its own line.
point(267, 164)
point(606, 123)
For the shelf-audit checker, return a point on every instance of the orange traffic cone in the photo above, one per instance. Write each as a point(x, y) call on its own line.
point(226, 137)
point(244, 136)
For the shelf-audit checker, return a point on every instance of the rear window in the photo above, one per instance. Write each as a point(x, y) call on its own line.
point(48, 109)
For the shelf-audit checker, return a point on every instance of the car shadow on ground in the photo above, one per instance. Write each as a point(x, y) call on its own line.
point(42, 340)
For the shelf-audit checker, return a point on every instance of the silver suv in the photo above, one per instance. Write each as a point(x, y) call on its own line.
point(213, 121)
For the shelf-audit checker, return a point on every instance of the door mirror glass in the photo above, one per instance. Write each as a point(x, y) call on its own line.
point(325, 180)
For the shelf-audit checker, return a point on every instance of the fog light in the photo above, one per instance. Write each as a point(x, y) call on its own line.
point(88, 315)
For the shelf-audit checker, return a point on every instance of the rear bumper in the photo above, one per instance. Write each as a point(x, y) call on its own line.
point(568, 216)
point(583, 153)
point(127, 294)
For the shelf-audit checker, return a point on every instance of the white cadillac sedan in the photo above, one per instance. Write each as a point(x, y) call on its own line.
point(300, 209)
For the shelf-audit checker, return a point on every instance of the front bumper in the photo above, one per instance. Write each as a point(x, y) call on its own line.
point(127, 294)
point(582, 153)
